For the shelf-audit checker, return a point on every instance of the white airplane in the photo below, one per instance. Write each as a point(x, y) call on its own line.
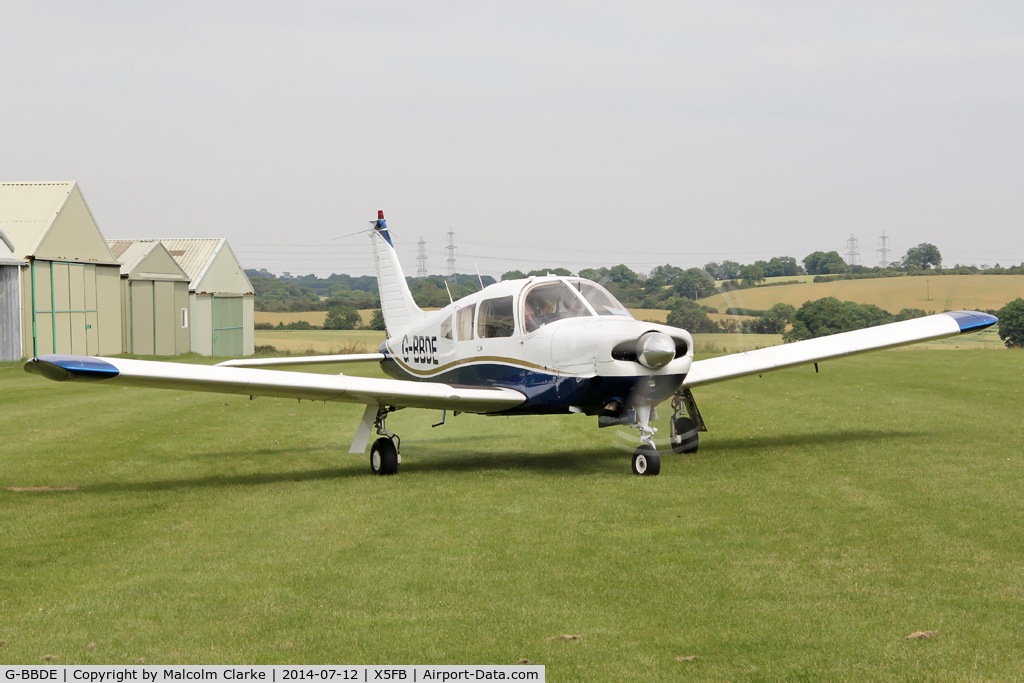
point(537, 346)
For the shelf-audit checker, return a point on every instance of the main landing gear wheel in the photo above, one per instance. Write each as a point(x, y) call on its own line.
point(684, 435)
point(384, 456)
point(646, 462)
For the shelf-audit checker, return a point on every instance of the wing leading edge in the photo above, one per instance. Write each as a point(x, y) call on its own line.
point(276, 383)
point(888, 336)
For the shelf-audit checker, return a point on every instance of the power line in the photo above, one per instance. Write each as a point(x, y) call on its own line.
point(451, 256)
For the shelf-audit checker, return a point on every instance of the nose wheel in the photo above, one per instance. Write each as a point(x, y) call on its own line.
point(646, 461)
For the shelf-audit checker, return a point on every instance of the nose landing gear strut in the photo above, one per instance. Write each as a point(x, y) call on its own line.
point(646, 461)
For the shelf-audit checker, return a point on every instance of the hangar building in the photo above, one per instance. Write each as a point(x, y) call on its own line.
point(70, 282)
point(154, 299)
point(220, 297)
point(10, 301)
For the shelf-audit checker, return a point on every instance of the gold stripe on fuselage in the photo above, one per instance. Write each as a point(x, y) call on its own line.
point(467, 361)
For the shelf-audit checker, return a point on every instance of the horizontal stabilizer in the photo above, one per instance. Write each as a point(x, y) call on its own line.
point(276, 383)
point(888, 336)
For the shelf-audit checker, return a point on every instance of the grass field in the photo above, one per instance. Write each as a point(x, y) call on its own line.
point(826, 517)
point(947, 293)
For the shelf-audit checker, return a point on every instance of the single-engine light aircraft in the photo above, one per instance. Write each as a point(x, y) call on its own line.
point(536, 346)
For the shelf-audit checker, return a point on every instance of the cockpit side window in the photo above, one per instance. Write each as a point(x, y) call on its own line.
point(495, 318)
point(600, 299)
point(464, 323)
point(549, 302)
point(446, 328)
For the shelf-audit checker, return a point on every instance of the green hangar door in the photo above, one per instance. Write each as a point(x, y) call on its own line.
point(227, 325)
point(157, 318)
point(65, 310)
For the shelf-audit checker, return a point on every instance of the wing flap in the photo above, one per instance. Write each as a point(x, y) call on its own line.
point(276, 383)
point(835, 346)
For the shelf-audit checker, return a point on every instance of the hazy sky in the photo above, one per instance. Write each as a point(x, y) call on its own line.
point(543, 133)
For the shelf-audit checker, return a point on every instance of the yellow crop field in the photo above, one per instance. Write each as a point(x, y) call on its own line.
point(654, 315)
point(938, 293)
point(318, 342)
point(311, 317)
point(789, 278)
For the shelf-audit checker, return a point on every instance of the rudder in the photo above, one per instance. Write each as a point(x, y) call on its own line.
point(396, 302)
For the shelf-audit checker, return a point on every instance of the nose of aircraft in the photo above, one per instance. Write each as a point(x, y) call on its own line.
point(655, 350)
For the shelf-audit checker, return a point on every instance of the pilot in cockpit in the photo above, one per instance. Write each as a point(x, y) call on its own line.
point(549, 302)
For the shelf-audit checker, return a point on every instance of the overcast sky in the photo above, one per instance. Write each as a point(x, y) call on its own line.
point(543, 133)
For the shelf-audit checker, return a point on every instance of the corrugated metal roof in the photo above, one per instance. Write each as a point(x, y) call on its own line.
point(193, 255)
point(118, 247)
point(131, 253)
point(28, 209)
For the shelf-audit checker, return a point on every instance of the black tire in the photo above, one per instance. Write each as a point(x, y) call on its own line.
point(384, 457)
point(646, 462)
point(685, 438)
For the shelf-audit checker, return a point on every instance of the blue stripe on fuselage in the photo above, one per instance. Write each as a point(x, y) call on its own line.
point(546, 393)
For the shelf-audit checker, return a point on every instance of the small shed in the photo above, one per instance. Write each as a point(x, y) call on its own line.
point(154, 299)
point(10, 301)
point(221, 298)
point(70, 284)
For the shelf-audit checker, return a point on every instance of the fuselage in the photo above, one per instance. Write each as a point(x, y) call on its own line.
point(564, 342)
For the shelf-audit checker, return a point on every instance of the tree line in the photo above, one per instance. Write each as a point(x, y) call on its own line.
point(658, 288)
point(281, 294)
point(664, 287)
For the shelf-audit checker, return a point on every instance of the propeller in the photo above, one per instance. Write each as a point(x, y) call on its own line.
point(655, 350)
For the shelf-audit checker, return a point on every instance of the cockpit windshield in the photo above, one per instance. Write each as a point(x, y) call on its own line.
point(549, 302)
point(599, 298)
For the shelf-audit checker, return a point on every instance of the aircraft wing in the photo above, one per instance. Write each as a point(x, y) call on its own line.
point(836, 346)
point(301, 360)
point(276, 383)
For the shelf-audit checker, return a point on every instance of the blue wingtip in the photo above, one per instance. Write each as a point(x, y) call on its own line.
point(66, 368)
point(972, 321)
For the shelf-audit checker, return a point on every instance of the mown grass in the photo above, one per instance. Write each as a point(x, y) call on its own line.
point(825, 517)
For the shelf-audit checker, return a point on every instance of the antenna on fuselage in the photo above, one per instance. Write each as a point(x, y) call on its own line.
point(478, 278)
point(450, 299)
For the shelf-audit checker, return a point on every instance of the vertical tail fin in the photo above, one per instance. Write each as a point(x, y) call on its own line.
point(396, 301)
